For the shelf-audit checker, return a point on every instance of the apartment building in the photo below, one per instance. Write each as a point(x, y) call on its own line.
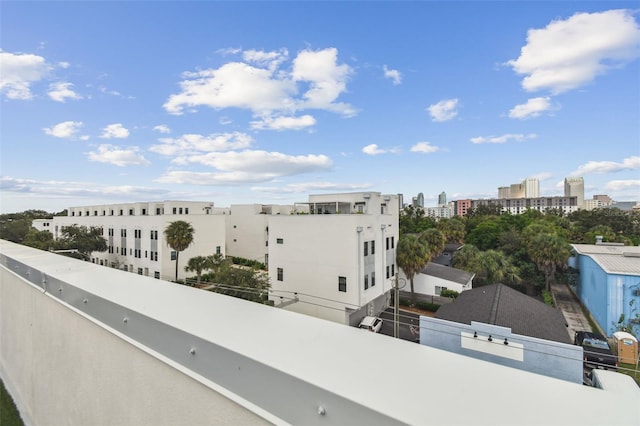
point(135, 233)
point(337, 261)
point(247, 230)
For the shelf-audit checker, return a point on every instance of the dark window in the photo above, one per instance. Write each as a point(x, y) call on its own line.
point(373, 279)
point(186, 210)
point(218, 250)
point(280, 274)
point(366, 282)
point(279, 241)
point(373, 247)
point(387, 271)
point(175, 210)
point(342, 284)
point(366, 248)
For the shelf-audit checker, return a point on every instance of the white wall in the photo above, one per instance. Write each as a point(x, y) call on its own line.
point(426, 284)
point(63, 369)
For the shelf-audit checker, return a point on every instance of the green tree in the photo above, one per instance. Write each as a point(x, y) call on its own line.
point(241, 282)
point(412, 220)
point(411, 256)
point(197, 264)
point(548, 252)
point(485, 236)
point(42, 240)
point(179, 236)
point(434, 240)
point(453, 229)
point(84, 239)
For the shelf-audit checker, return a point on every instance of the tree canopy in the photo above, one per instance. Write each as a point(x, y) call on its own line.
point(179, 236)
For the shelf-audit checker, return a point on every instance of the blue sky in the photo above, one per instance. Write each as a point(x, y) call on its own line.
point(267, 102)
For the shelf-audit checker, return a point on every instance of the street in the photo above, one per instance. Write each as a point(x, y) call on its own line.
point(409, 324)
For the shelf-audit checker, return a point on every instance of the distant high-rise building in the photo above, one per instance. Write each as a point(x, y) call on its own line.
point(503, 192)
point(516, 190)
point(531, 188)
point(574, 187)
point(442, 199)
point(420, 199)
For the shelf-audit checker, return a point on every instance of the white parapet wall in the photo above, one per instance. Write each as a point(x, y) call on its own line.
point(86, 345)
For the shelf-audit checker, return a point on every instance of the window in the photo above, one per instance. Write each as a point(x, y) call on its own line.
point(387, 271)
point(366, 281)
point(366, 248)
point(373, 247)
point(139, 271)
point(186, 210)
point(279, 241)
point(144, 212)
point(175, 210)
point(392, 242)
point(280, 274)
point(156, 275)
point(180, 210)
point(373, 279)
point(388, 240)
point(158, 214)
point(218, 251)
point(393, 269)
point(439, 290)
point(342, 284)
point(130, 212)
point(120, 212)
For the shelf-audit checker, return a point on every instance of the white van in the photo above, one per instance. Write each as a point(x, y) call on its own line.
point(371, 323)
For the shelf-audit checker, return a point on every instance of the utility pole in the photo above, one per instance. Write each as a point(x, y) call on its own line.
point(396, 303)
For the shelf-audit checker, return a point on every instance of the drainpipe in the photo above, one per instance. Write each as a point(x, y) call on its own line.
point(359, 230)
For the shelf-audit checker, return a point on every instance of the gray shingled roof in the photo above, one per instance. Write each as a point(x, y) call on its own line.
point(501, 305)
point(614, 259)
point(447, 273)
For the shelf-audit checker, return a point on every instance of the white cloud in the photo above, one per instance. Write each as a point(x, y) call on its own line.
point(601, 167)
point(66, 129)
point(424, 147)
point(115, 131)
point(394, 75)
point(270, 60)
point(76, 189)
point(162, 128)
point(570, 53)
point(503, 139)
point(284, 123)
point(327, 79)
point(118, 156)
point(373, 149)
point(444, 110)
point(261, 86)
point(533, 108)
point(61, 91)
point(193, 143)
point(623, 185)
point(19, 72)
point(246, 167)
point(306, 187)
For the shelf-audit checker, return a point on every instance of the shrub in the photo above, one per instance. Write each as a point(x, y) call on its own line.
point(449, 293)
point(426, 306)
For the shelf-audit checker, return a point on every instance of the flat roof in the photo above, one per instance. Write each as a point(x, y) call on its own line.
point(436, 387)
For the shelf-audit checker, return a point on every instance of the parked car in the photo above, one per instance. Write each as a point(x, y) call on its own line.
point(597, 352)
point(373, 324)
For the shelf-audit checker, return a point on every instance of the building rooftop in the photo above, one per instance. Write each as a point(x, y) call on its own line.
point(614, 259)
point(501, 305)
point(447, 273)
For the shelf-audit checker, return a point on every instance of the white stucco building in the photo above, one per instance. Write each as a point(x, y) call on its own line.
point(135, 233)
point(337, 261)
point(248, 229)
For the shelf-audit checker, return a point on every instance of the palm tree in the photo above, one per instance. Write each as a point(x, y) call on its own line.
point(179, 236)
point(434, 240)
point(197, 264)
point(548, 252)
point(411, 256)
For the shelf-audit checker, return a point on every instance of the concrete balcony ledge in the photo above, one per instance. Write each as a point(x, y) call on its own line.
point(155, 352)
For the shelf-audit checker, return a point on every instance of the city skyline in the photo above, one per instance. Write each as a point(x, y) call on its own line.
point(245, 102)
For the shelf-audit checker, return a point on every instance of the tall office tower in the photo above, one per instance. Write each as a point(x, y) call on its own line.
point(574, 187)
point(516, 190)
point(531, 188)
point(420, 199)
point(503, 192)
point(442, 199)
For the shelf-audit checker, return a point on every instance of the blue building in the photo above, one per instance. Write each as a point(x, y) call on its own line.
point(609, 283)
